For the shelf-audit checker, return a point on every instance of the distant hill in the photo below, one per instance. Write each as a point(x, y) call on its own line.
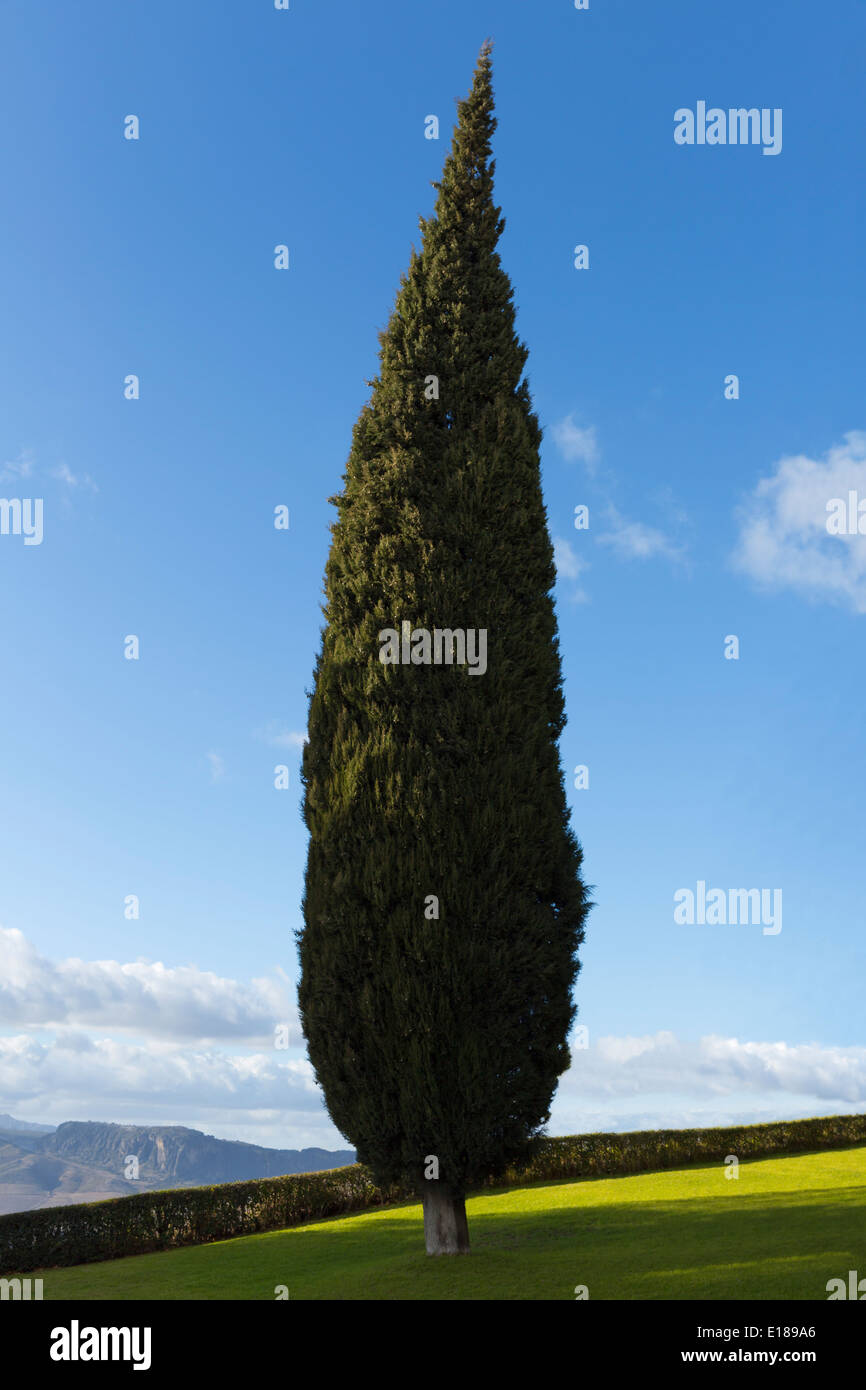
point(21, 1134)
point(85, 1161)
point(173, 1156)
point(10, 1124)
point(29, 1180)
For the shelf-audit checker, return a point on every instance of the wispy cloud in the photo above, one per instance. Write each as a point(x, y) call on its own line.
point(784, 542)
point(24, 467)
point(65, 475)
point(569, 565)
point(635, 540)
point(576, 443)
point(21, 467)
point(629, 540)
point(278, 736)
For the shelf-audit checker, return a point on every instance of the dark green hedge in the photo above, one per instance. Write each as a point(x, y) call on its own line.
point(585, 1155)
point(180, 1216)
point(192, 1215)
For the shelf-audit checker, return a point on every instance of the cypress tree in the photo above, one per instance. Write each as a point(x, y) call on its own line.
point(443, 902)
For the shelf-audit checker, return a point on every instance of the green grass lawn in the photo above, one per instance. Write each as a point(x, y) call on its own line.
point(780, 1230)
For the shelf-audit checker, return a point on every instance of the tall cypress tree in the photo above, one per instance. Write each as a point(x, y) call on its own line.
point(443, 904)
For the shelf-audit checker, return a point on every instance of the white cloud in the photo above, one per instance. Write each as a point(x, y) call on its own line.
point(576, 1118)
point(64, 474)
point(714, 1066)
point(569, 565)
point(575, 443)
point(634, 540)
point(784, 542)
point(179, 1002)
point(279, 737)
point(618, 1083)
point(78, 1075)
point(21, 467)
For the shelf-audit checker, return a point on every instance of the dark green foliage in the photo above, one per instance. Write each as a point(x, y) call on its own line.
point(192, 1216)
point(442, 1037)
point(644, 1151)
point(180, 1216)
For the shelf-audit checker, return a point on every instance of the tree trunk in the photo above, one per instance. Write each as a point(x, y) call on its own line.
point(446, 1231)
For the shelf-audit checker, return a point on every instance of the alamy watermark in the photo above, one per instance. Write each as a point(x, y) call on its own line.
point(22, 516)
point(444, 646)
point(854, 1289)
point(77, 1343)
point(736, 126)
point(847, 517)
point(20, 1289)
point(721, 907)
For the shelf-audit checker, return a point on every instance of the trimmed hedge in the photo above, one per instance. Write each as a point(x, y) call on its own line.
point(149, 1221)
point(162, 1220)
point(641, 1151)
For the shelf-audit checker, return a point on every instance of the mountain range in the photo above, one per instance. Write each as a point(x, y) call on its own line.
point(85, 1161)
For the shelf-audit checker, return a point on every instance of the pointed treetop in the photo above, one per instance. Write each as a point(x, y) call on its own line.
point(476, 110)
point(467, 175)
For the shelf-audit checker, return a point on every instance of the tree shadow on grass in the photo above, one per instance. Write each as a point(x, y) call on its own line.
point(778, 1245)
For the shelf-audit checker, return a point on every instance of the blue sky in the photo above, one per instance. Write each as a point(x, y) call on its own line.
point(155, 777)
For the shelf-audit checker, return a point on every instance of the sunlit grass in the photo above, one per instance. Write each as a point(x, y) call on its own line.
point(780, 1230)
